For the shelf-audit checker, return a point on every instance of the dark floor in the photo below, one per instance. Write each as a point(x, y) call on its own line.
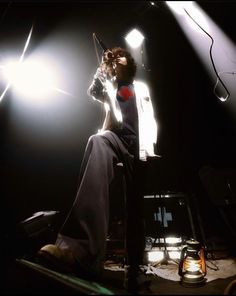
point(25, 277)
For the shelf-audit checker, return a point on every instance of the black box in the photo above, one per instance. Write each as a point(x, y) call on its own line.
point(34, 232)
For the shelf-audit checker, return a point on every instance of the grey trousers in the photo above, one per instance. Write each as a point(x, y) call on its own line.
point(85, 229)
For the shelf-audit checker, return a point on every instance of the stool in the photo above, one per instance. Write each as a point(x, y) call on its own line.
point(116, 239)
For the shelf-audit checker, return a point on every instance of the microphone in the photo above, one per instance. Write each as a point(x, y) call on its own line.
point(100, 42)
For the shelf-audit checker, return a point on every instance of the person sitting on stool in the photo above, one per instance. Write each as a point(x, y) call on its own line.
point(128, 135)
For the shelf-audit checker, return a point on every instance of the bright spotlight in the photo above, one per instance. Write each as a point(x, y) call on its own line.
point(193, 14)
point(196, 19)
point(31, 78)
point(35, 78)
point(20, 60)
point(134, 38)
point(179, 6)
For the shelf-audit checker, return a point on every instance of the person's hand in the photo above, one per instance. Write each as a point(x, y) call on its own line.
point(108, 55)
point(121, 60)
point(100, 74)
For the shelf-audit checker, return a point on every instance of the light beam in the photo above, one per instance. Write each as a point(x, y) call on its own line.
point(20, 61)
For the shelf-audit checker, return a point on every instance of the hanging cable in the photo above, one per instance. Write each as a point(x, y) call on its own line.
point(212, 61)
point(217, 81)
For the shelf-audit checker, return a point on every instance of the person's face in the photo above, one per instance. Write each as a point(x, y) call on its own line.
point(119, 67)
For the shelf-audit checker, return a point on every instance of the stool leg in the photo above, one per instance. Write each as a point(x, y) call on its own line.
point(116, 241)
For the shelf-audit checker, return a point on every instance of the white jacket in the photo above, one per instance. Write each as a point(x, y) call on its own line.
point(105, 92)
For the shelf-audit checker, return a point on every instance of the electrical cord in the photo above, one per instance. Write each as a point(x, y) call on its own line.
point(217, 81)
point(212, 61)
point(215, 267)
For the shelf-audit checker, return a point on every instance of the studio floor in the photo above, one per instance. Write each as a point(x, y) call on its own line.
point(26, 277)
point(166, 281)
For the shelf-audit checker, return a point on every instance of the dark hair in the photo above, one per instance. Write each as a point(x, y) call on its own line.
point(131, 67)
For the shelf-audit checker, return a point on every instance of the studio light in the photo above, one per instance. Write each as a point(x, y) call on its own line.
point(134, 38)
point(20, 60)
point(34, 78)
point(192, 12)
point(31, 78)
point(179, 6)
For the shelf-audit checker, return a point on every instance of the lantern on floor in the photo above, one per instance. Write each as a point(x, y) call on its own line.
point(192, 266)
